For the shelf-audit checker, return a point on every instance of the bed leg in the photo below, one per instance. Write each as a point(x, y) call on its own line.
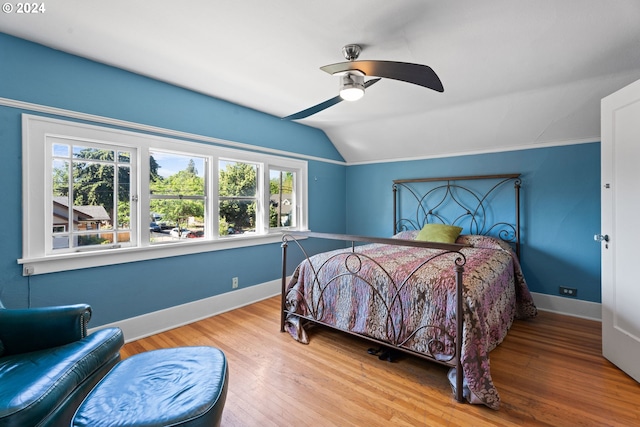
point(283, 284)
point(459, 331)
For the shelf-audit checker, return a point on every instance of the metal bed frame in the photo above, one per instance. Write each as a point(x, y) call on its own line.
point(472, 213)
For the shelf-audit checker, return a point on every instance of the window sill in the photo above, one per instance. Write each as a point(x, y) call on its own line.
point(76, 261)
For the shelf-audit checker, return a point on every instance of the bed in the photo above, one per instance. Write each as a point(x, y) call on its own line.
point(404, 294)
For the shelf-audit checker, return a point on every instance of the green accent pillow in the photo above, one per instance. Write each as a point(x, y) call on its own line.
point(441, 233)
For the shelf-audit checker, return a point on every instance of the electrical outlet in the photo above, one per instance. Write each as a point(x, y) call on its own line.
point(568, 292)
point(234, 283)
point(28, 270)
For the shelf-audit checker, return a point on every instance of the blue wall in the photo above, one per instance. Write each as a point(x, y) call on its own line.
point(33, 73)
point(561, 208)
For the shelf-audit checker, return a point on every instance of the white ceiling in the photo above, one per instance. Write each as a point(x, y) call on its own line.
point(516, 73)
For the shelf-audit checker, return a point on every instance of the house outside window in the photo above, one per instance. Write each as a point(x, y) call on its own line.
point(113, 196)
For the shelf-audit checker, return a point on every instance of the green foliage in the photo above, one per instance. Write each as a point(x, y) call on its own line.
point(93, 182)
point(153, 170)
point(184, 183)
point(287, 183)
point(238, 181)
point(223, 227)
point(273, 216)
point(61, 180)
point(92, 240)
point(124, 214)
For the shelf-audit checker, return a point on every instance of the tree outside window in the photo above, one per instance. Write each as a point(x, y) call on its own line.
point(177, 197)
point(238, 197)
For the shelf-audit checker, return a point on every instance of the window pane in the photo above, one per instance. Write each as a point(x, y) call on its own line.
point(60, 178)
point(238, 179)
point(93, 198)
point(60, 187)
point(236, 217)
point(281, 200)
point(60, 241)
point(124, 196)
point(60, 150)
point(237, 192)
point(124, 157)
point(173, 174)
point(124, 237)
point(179, 215)
point(177, 197)
point(80, 152)
point(93, 239)
point(91, 203)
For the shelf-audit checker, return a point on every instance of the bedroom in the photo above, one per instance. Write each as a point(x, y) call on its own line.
point(561, 187)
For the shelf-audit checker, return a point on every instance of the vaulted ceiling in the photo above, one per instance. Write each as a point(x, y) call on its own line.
point(516, 74)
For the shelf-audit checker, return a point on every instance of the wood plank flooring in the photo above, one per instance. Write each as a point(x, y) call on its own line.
point(549, 371)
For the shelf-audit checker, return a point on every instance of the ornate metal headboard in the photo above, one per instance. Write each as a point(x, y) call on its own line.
point(453, 200)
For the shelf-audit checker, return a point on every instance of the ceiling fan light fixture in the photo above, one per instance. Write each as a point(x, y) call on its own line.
point(351, 87)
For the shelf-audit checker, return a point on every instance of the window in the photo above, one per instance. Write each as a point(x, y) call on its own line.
point(90, 196)
point(103, 186)
point(282, 202)
point(237, 197)
point(177, 196)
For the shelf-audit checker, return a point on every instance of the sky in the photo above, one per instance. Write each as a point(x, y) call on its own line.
point(171, 164)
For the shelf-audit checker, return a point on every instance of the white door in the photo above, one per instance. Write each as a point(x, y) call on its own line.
point(621, 228)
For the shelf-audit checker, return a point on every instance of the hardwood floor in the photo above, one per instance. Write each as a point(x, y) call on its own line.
point(549, 371)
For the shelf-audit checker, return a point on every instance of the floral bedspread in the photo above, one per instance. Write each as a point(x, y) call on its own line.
point(406, 296)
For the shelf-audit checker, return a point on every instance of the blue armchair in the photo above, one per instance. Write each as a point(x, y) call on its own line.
point(48, 363)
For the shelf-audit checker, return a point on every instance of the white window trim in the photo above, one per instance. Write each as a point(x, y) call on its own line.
point(267, 196)
point(35, 261)
point(49, 190)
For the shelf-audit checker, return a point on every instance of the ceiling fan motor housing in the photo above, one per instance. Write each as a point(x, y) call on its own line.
point(351, 86)
point(351, 52)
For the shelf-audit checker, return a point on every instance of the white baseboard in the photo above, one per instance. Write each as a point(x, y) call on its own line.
point(162, 320)
point(570, 307)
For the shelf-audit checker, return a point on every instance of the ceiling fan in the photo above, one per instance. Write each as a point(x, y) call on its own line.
point(353, 72)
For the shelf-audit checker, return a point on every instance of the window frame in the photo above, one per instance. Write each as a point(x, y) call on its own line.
point(207, 174)
point(259, 228)
point(295, 209)
point(35, 131)
point(116, 148)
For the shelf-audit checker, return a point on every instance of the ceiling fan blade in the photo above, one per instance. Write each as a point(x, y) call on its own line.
point(323, 105)
point(315, 109)
point(370, 82)
point(418, 74)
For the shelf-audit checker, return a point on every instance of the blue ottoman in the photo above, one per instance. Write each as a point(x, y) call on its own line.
point(184, 386)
